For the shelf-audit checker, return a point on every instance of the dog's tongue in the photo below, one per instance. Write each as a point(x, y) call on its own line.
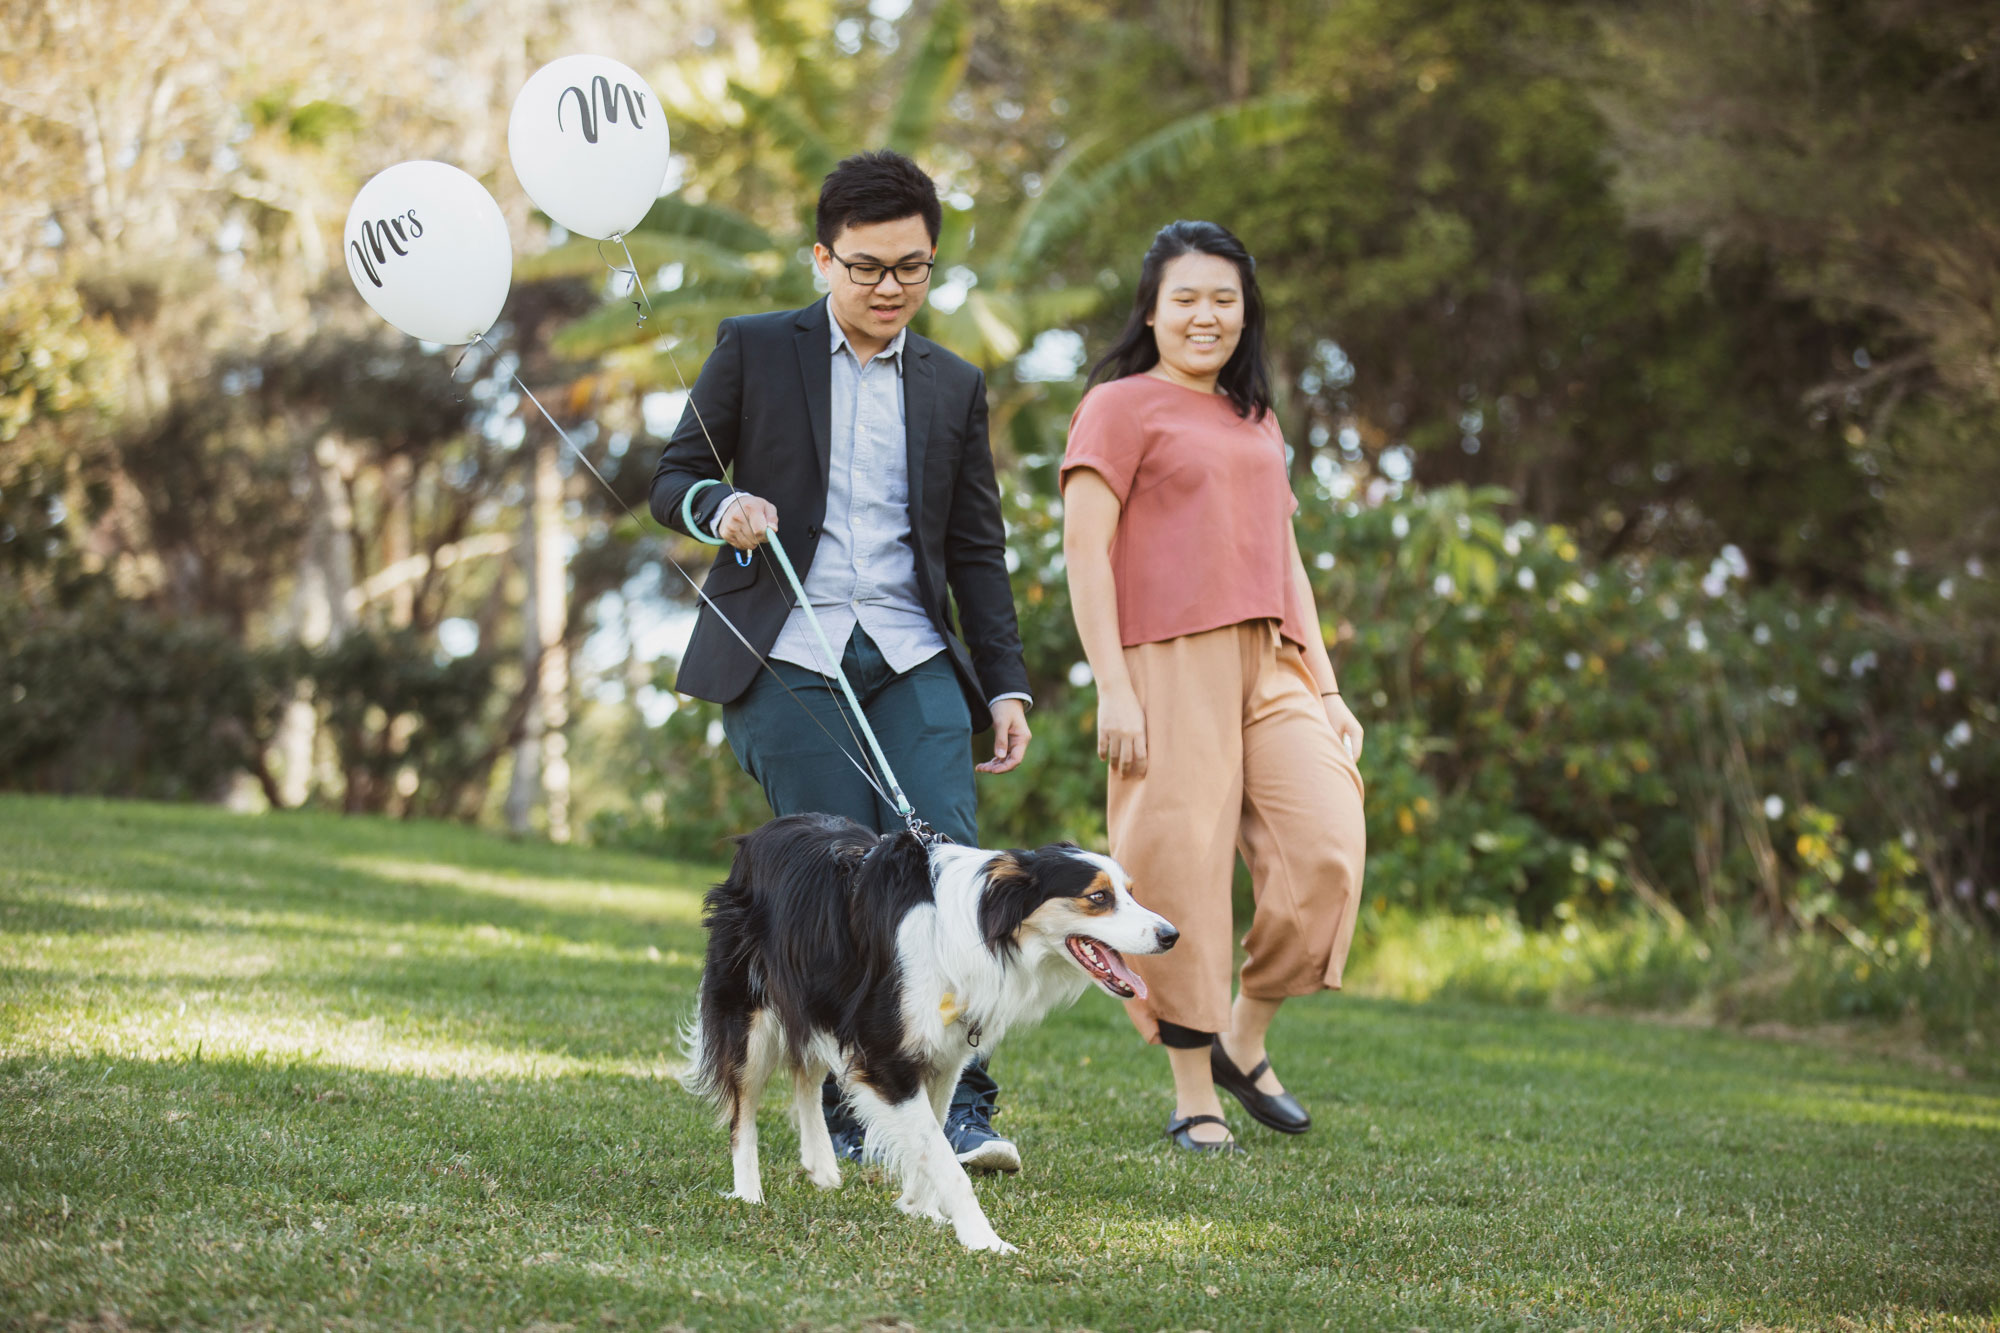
point(1116, 962)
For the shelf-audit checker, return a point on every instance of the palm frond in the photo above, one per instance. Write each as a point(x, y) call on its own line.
point(778, 117)
point(933, 75)
point(616, 323)
point(723, 227)
point(1059, 306)
point(1075, 156)
point(787, 42)
point(651, 251)
point(1159, 156)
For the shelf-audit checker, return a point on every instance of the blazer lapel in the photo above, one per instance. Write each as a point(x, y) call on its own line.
point(816, 366)
point(919, 393)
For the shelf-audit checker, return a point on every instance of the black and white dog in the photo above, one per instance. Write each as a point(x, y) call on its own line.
point(887, 961)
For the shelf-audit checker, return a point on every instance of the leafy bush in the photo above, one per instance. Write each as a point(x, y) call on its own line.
point(411, 726)
point(112, 699)
point(687, 796)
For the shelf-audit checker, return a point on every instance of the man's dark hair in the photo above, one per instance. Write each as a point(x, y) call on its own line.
point(876, 187)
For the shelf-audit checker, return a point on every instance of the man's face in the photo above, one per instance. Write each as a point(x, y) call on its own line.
point(880, 312)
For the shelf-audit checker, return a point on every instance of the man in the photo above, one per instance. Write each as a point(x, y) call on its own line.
point(869, 443)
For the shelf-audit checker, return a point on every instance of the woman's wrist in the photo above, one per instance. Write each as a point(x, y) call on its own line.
point(1117, 692)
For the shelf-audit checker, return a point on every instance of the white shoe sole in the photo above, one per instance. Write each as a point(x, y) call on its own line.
point(992, 1155)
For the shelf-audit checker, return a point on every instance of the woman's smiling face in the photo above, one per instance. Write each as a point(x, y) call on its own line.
point(1198, 317)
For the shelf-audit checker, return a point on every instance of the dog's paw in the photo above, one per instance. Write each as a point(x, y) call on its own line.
point(989, 1242)
point(746, 1196)
point(826, 1177)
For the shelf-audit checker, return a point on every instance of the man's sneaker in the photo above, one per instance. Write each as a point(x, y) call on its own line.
point(846, 1142)
point(969, 1129)
point(842, 1126)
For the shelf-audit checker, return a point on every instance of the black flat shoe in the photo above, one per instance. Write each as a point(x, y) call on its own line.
point(1281, 1112)
point(1177, 1130)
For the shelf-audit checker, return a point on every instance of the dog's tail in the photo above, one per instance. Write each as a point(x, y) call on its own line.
point(693, 1073)
point(716, 1039)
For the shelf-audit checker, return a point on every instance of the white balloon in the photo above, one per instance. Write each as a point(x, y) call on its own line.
point(428, 249)
point(589, 142)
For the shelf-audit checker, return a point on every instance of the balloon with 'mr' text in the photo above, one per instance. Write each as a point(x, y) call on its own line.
point(429, 250)
point(589, 141)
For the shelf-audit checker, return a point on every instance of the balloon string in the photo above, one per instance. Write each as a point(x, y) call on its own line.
point(644, 305)
point(700, 593)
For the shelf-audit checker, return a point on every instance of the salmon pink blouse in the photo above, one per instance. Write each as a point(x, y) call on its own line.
point(1204, 536)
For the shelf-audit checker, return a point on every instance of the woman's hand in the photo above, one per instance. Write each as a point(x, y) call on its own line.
point(1344, 725)
point(1121, 732)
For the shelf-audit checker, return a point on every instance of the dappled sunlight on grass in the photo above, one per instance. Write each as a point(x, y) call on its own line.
point(254, 1034)
point(1822, 1096)
point(639, 902)
point(1856, 1105)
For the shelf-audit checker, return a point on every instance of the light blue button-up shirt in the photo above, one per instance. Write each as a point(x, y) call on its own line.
point(864, 570)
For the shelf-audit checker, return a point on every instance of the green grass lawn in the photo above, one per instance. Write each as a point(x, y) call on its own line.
point(305, 1072)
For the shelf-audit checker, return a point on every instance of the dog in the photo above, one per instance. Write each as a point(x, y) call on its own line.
point(888, 960)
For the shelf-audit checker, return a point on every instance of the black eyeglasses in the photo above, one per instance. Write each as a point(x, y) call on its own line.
point(867, 273)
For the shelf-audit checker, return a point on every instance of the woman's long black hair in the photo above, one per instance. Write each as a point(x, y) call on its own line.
point(1245, 377)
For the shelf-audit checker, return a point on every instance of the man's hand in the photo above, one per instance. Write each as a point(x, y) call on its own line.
point(1344, 725)
point(1010, 737)
point(749, 521)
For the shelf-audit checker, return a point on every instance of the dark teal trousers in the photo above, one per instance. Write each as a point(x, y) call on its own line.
point(919, 716)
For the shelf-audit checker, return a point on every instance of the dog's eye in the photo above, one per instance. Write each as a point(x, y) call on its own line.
point(1100, 898)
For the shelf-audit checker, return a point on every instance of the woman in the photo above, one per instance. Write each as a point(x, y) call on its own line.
point(1217, 707)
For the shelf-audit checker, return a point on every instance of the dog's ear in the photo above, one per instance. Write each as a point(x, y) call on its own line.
point(1013, 891)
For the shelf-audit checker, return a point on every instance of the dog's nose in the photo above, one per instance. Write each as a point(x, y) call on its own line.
point(1167, 935)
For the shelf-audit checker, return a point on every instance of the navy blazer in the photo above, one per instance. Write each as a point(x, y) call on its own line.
point(765, 396)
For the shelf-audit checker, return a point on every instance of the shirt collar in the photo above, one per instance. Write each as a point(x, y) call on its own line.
point(894, 351)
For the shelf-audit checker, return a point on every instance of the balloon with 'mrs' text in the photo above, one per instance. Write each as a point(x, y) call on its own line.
point(589, 141)
point(429, 250)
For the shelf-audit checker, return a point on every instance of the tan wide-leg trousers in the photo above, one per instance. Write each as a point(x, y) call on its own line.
point(1240, 757)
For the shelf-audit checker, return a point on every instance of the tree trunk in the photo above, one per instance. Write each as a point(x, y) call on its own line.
point(551, 621)
point(541, 760)
point(321, 615)
point(1234, 49)
point(524, 788)
point(398, 480)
